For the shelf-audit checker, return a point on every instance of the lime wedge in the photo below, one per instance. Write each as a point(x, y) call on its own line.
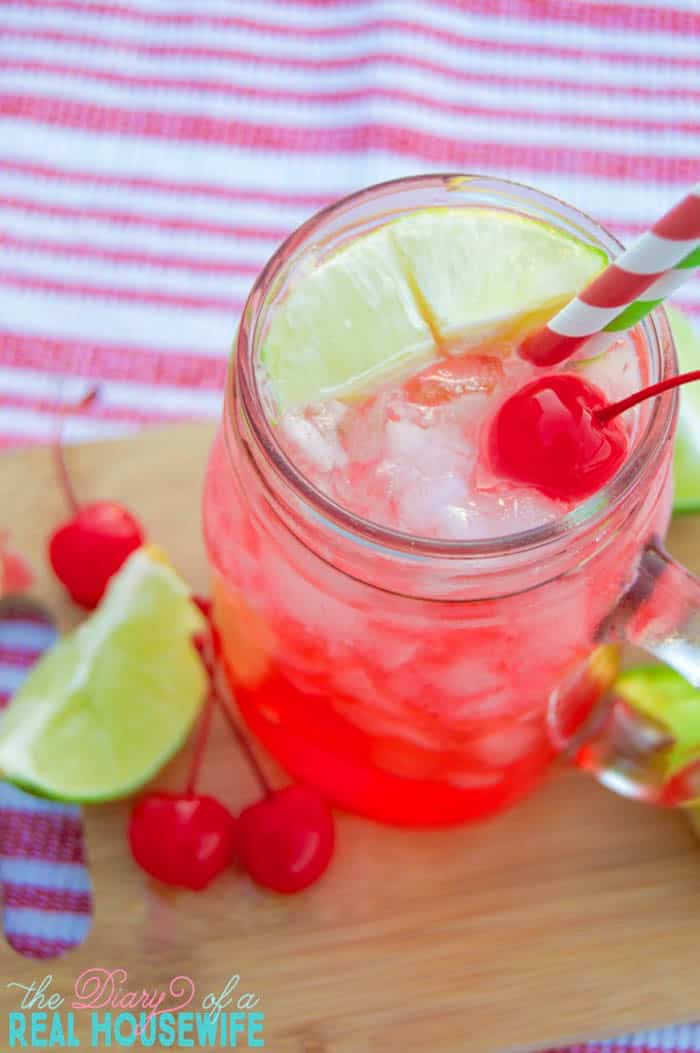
point(351, 318)
point(686, 457)
point(485, 273)
point(434, 277)
point(665, 696)
point(106, 707)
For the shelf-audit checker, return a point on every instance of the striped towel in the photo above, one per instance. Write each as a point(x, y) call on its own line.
point(43, 878)
point(154, 152)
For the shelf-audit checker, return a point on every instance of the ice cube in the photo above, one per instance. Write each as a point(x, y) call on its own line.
point(453, 378)
point(389, 650)
point(500, 513)
point(361, 431)
point(406, 442)
point(458, 521)
point(422, 500)
point(304, 604)
point(507, 744)
point(314, 439)
point(405, 759)
point(475, 686)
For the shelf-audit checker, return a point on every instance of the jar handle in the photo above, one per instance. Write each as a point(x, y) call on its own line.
point(624, 749)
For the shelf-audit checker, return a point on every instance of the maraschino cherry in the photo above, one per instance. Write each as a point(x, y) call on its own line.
point(547, 435)
point(92, 545)
point(559, 434)
point(184, 839)
point(285, 840)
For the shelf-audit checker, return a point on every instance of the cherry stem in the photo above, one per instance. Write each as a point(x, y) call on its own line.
point(201, 742)
point(218, 694)
point(242, 740)
point(58, 453)
point(606, 413)
point(64, 478)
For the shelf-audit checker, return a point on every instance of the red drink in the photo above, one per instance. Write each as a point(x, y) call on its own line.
point(414, 640)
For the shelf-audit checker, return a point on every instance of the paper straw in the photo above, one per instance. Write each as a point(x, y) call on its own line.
point(634, 284)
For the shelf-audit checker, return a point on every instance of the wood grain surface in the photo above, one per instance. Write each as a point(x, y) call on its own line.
point(575, 915)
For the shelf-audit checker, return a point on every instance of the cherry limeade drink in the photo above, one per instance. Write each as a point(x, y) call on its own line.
point(402, 627)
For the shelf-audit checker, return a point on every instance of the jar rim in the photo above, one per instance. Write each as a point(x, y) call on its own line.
point(327, 513)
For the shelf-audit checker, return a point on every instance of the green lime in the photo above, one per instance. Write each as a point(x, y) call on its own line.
point(686, 458)
point(434, 277)
point(352, 317)
point(106, 707)
point(665, 696)
point(484, 273)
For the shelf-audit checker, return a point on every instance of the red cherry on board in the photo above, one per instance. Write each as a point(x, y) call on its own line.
point(185, 840)
point(548, 435)
point(286, 840)
point(92, 545)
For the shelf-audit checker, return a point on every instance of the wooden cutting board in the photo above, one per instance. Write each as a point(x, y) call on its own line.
point(575, 915)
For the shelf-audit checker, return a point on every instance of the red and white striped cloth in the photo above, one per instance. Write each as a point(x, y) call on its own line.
point(154, 152)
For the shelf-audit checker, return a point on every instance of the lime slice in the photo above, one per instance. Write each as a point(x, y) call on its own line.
point(351, 318)
point(485, 273)
point(665, 696)
point(106, 707)
point(435, 277)
point(686, 457)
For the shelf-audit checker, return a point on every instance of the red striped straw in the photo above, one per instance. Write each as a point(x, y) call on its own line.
point(628, 289)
